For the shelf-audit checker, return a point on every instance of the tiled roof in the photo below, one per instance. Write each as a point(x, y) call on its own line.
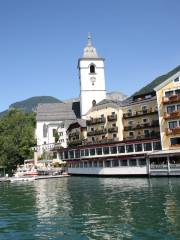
point(58, 111)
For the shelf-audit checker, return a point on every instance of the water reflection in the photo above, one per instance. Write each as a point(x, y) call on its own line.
point(91, 208)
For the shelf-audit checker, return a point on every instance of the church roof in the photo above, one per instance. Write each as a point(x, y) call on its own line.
point(58, 111)
point(89, 50)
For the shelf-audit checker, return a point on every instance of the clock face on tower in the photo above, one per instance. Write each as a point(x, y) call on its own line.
point(93, 80)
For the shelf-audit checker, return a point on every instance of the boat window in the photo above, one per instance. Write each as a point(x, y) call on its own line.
point(115, 163)
point(82, 153)
point(129, 148)
point(71, 154)
point(86, 152)
point(85, 164)
point(142, 162)
point(100, 163)
point(99, 151)
point(95, 163)
point(81, 164)
point(106, 150)
point(66, 154)
point(124, 162)
point(113, 150)
point(156, 145)
point(147, 146)
point(121, 149)
point(132, 162)
point(138, 147)
point(90, 164)
point(77, 153)
point(108, 163)
point(92, 151)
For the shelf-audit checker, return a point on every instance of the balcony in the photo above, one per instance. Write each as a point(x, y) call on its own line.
point(113, 130)
point(154, 124)
point(74, 134)
point(173, 131)
point(112, 117)
point(94, 121)
point(152, 134)
point(140, 113)
point(171, 99)
point(73, 143)
point(172, 115)
point(97, 132)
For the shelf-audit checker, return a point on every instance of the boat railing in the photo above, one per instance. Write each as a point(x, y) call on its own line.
point(158, 166)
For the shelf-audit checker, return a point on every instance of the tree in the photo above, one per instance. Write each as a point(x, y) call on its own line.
point(16, 138)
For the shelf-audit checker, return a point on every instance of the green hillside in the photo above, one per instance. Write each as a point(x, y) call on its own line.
point(30, 104)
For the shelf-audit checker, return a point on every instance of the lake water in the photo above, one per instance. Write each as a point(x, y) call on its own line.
point(91, 208)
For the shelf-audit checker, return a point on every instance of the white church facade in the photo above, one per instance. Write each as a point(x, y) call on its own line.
point(54, 117)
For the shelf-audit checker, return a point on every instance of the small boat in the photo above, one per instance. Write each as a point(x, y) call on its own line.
point(22, 179)
point(23, 171)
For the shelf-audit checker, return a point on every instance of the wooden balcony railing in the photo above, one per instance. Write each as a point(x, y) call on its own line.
point(94, 121)
point(140, 113)
point(173, 131)
point(152, 134)
point(112, 117)
point(154, 124)
point(172, 115)
point(97, 132)
point(171, 99)
point(112, 129)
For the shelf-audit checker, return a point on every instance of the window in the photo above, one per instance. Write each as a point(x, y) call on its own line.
point(90, 163)
point(86, 152)
point(176, 79)
point(129, 112)
point(132, 162)
point(66, 154)
point(95, 164)
point(146, 132)
point(77, 154)
point(82, 153)
point(106, 150)
point(85, 164)
point(168, 93)
point(144, 108)
point(71, 154)
point(92, 151)
point(145, 120)
point(170, 108)
point(107, 163)
point(114, 135)
point(92, 69)
point(178, 107)
point(172, 124)
point(113, 113)
point(138, 147)
point(54, 132)
point(130, 123)
point(142, 162)
point(175, 141)
point(81, 164)
point(45, 130)
point(115, 163)
point(114, 125)
point(93, 139)
point(102, 115)
point(100, 163)
point(131, 134)
point(113, 150)
point(92, 129)
point(99, 151)
point(121, 149)
point(156, 146)
point(124, 163)
point(61, 134)
point(129, 148)
point(94, 103)
point(147, 146)
point(177, 91)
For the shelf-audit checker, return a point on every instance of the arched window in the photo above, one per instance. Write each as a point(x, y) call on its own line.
point(94, 103)
point(92, 69)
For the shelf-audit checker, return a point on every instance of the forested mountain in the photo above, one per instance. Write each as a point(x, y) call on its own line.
point(30, 104)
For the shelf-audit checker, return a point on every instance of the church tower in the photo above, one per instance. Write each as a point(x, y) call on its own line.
point(92, 81)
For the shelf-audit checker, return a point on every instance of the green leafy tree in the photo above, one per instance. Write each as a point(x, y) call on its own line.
point(16, 137)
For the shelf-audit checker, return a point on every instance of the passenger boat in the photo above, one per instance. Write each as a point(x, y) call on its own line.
point(23, 171)
point(128, 158)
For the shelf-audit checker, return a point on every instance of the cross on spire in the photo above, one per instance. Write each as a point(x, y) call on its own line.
point(89, 39)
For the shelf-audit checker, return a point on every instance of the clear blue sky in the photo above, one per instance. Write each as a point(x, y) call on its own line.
point(41, 41)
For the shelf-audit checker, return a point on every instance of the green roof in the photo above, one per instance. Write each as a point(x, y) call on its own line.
point(150, 87)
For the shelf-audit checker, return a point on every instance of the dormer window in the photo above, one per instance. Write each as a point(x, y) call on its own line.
point(92, 68)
